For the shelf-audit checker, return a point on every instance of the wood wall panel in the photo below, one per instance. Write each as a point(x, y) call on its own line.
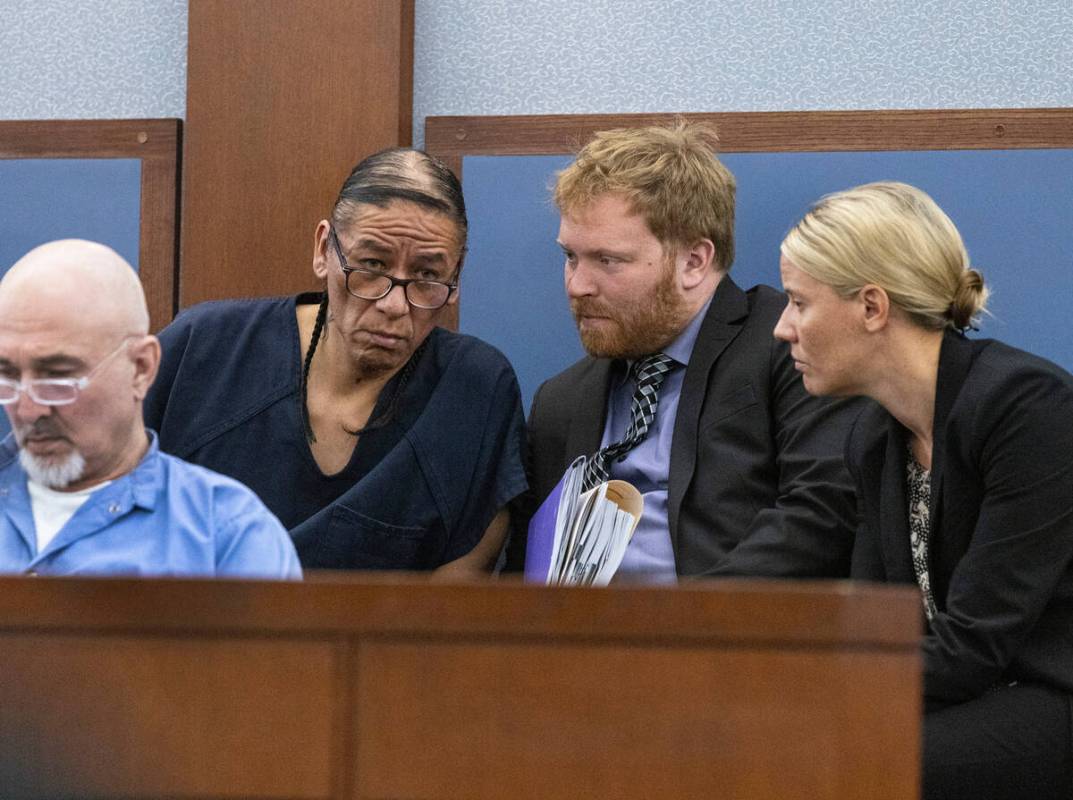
point(452, 138)
point(729, 720)
point(284, 97)
point(364, 686)
point(190, 716)
point(156, 142)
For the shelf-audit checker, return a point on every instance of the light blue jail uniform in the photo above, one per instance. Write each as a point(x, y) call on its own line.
point(165, 518)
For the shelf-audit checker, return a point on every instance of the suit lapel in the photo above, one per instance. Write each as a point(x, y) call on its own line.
point(726, 315)
point(955, 359)
point(590, 413)
point(894, 508)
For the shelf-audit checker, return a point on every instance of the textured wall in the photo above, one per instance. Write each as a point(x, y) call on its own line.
point(127, 58)
point(606, 56)
point(92, 59)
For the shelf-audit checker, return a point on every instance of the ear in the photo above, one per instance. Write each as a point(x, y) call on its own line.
point(876, 305)
point(320, 249)
point(697, 264)
point(145, 355)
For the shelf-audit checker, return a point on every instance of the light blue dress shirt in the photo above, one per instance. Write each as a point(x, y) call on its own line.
point(165, 518)
point(650, 556)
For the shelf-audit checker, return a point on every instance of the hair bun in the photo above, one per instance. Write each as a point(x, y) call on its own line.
point(969, 299)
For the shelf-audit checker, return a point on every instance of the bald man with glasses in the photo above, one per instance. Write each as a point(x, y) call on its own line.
point(84, 488)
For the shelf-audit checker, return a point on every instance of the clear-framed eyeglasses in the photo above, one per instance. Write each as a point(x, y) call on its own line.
point(53, 391)
point(367, 284)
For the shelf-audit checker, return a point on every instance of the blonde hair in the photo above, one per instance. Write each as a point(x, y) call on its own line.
point(894, 236)
point(669, 175)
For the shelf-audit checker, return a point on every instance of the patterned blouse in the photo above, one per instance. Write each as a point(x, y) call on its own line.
point(918, 484)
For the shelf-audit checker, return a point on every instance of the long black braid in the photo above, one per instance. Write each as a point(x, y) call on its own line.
point(398, 173)
point(393, 403)
point(318, 326)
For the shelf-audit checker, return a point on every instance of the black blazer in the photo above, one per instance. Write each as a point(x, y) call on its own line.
point(1001, 544)
point(756, 480)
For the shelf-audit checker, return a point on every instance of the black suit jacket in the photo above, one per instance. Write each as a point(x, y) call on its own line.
point(1001, 542)
point(756, 480)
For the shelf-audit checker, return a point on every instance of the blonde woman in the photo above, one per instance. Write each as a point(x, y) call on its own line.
point(964, 476)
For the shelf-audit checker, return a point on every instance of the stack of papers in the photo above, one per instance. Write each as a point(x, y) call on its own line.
point(579, 538)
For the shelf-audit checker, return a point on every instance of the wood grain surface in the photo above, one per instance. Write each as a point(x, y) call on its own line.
point(452, 138)
point(284, 97)
point(395, 686)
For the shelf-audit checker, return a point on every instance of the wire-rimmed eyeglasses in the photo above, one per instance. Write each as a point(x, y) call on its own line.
point(367, 284)
point(53, 391)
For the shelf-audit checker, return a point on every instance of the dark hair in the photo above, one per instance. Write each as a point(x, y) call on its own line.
point(402, 173)
point(318, 326)
point(397, 173)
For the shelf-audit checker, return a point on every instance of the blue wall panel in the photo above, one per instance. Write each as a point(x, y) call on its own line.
point(46, 199)
point(512, 284)
point(1013, 207)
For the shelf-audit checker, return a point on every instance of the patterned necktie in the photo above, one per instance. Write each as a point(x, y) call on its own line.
point(649, 373)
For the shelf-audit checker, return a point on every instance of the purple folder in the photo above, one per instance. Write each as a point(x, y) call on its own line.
point(541, 539)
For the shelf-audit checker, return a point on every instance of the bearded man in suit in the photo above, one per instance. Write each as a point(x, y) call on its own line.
point(685, 392)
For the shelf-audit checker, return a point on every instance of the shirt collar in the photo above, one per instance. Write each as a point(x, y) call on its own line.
point(10, 472)
point(143, 481)
point(146, 478)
